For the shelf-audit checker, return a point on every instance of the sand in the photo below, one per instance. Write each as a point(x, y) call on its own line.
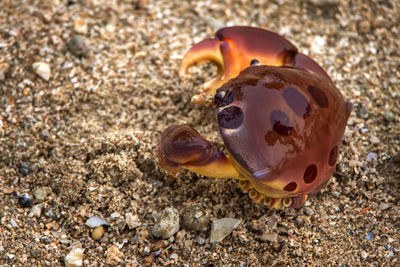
point(80, 122)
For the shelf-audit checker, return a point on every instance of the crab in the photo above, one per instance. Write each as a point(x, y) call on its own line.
point(279, 114)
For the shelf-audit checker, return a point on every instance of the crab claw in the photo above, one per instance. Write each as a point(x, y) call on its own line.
point(235, 48)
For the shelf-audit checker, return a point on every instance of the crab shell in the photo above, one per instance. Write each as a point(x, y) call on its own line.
point(282, 126)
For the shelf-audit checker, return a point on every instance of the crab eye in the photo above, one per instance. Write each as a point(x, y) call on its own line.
point(254, 62)
point(223, 97)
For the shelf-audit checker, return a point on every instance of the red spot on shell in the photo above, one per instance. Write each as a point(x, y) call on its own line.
point(271, 137)
point(281, 123)
point(230, 117)
point(333, 155)
point(310, 174)
point(290, 187)
point(296, 101)
point(318, 95)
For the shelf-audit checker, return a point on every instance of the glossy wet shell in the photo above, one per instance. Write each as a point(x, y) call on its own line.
point(283, 127)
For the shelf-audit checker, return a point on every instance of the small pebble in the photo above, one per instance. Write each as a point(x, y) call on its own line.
point(370, 235)
point(272, 221)
point(221, 228)
point(80, 26)
point(98, 232)
point(75, 256)
point(78, 46)
point(309, 211)
point(384, 206)
point(13, 223)
point(364, 26)
point(200, 240)
point(317, 44)
point(42, 69)
point(113, 255)
point(269, 236)
point(173, 256)
point(375, 140)
point(363, 113)
point(168, 223)
point(372, 156)
point(132, 221)
point(25, 200)
point(388, 116)
point(195, 218)
point(24, 168)
point(96, 221)
point(36, 211)
point(41, 193)
point(4, 68)
point(364, 255)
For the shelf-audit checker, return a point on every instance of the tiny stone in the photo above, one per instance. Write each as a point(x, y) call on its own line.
point(80, 26)
point(41, 193)
point(75, 256)
point(113, 255)
point(4, 68)
point(13, 223)
point(384, 206)
point(269, 236)
point(173, 256)
point(98, 232)
point(308, 211)
point(272, 221)
point(25, 200)
point(50, 214)
point(168, 224)
point(42, 69)
point(363, 113)
point(78, 46)
point(221, 228)
point(200, 240)
point(364, 255)
point(318, 44)
point(375, 140)
point(96, 221)
point(36, 211)
point(388, 116)
point(195, 218)
point(24, 169)
point(132, 221)
point(372, 156)
point(115, 215)
point(364, 26)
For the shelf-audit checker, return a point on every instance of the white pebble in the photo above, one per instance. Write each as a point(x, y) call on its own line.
point(80, 26)
point(74, 257)
point(36, 211)
point(132, 221)
point(96, 221)
point(42, 69)
point(221, 228)
point(168, 223)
